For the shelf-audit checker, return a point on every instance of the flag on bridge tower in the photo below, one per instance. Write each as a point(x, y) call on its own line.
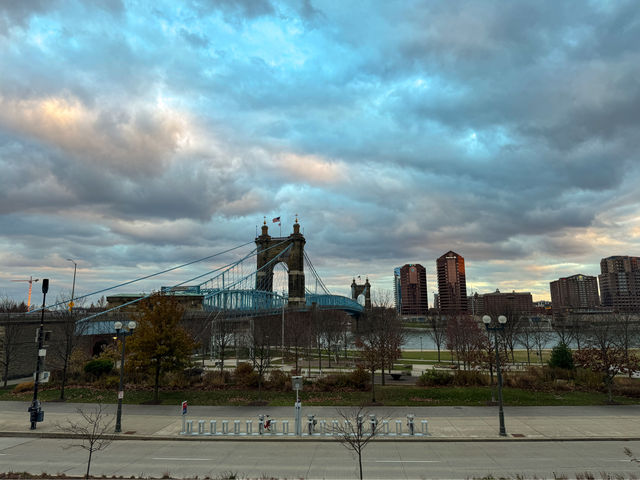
point(276, 220)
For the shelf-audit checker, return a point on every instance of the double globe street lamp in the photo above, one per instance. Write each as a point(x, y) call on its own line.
point(124, 333)
point(502, 320)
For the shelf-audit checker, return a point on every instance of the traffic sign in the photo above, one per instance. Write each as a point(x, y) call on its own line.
point(184, 407)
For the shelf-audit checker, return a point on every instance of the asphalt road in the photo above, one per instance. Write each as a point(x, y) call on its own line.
point(327, 460)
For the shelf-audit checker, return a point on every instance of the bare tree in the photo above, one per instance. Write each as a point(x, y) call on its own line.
point(10, 344)
point(332, 324)
point(466, 338)
point(317, 334)
point(223, 332)
point(525, 337)
point(71, 335)
point(509, 334)
point(510, 331)
point(437, 331)
point(564, 328)
point(91, 430)
point(603, 355)
point(355, 430)
point(626, 333)
point(199, 325)
point(392, 336)
point(579, 326)
point(368, 342)
point(297, 332)
point(260, 347)
point(540, 334)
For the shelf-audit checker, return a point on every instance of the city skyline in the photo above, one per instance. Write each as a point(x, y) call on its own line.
point(135, 136)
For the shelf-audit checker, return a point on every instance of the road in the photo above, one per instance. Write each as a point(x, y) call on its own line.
point(403, 460)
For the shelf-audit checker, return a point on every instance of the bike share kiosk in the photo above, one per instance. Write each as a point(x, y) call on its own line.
point(410, 424)
point(296, 383)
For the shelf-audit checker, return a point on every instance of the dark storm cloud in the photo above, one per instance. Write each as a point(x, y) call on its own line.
point(505, 131)
point(236, 10)
point(17, 14)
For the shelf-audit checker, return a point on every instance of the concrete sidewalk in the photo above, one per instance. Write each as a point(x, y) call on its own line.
point(445, 423)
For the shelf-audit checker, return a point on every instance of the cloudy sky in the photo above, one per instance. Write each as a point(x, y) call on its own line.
point(139, 135)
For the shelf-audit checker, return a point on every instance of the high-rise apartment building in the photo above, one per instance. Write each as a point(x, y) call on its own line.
point(452, 284)
point(574, 293)
point(397, 289)
point(413, 290)
point(620, 283)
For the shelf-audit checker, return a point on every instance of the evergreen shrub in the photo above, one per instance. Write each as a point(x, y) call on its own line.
point(561, 357)
point(98, 367)
point(434, 378)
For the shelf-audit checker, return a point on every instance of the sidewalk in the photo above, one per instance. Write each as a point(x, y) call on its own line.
point(620, 422)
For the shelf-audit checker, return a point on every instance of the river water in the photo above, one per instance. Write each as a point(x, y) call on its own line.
point(417, 339)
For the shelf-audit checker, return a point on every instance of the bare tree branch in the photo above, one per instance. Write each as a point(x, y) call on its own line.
point(92, 431)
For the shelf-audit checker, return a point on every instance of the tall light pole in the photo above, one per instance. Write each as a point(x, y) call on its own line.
point(73, 286)
point(499, 327)
point(35, 412)
point(283, 328)
point(124, 333)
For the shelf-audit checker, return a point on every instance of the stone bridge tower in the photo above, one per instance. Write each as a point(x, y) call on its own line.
point(357, 290)
point(294, 259)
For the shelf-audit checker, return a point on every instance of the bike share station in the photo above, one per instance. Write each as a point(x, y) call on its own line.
point(267, 426)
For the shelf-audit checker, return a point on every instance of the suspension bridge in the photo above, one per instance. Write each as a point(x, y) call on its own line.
point(253, 290)
point(276, 274)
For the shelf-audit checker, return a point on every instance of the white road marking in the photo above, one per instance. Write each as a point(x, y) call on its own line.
point(407, 461)
point(180, 459)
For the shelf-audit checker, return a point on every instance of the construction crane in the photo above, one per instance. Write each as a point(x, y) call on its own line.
point(30, 280)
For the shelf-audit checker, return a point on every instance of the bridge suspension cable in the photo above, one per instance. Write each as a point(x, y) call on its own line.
point(250, 298)
point(146, 277)
point(226, 268)
point(312, 269)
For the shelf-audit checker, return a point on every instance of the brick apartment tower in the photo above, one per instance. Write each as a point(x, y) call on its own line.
point(574, 292)
point(620, 283)
point(507, 303)
point(397, 289)
point(413, 290)
point(452, 284)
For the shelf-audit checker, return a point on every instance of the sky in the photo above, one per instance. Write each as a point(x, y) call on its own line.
point(138, 135)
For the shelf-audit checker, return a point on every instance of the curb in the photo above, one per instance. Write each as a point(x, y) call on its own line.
point(274, 438)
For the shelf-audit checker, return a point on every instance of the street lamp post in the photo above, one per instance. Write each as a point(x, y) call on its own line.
point(499, 327)
point(35, 412)
point(73, 286)
point(124, 333)
point(282, 328)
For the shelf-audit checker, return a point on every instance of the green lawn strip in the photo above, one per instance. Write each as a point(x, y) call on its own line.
point(389, 395)
point(445, 356)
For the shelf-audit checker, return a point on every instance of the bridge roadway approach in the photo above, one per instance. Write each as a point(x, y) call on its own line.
point(464, 444)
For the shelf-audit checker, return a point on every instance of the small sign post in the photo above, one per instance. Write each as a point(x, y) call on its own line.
point(184, 415)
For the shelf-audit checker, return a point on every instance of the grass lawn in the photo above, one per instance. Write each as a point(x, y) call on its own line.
point(389, 395)
point(445, 356)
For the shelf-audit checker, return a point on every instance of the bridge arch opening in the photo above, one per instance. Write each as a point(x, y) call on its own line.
point(289, 251)
point(281, 279)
